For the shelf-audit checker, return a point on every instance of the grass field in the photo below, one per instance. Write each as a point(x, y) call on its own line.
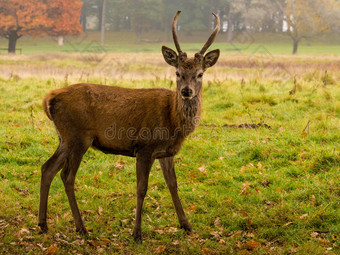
point(245, 191)
point(124, 41)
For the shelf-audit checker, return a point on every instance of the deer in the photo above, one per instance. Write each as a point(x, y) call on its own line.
point(152, 124)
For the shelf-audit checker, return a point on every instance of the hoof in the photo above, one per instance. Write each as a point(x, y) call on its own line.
point(43, 228)
point(187, 227)
point(137, 236)
point(82, 231)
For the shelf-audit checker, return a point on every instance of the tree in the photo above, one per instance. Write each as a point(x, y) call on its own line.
point(308, 18)
point(103, 22)
point(65, 18)
point(37, 17)
point(22, 17)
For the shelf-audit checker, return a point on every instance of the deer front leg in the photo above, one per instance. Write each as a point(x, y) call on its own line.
point(167, 165)
point(143, 167)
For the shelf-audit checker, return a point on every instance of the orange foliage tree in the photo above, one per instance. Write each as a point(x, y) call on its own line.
point(38, 17)
point(65, 16)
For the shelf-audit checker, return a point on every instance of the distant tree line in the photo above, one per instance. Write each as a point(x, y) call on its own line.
point(299, 19)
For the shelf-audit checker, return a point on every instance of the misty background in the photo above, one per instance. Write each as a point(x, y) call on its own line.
point(149, 21)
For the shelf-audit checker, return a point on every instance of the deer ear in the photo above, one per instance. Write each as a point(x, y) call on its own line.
point(210, 58)
point(170, 56)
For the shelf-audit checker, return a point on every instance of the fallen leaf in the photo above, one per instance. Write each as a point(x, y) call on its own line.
point(251, 245)
point(193, 175)
point(100, 250)
point(193, 207)
point(105, 240)
point(287, 224)
point(24, 231)
point(265, 183)
point(94, 243)
point(324, 242)
point(52, 249)
point(160, 249)
point(206, 251)
point(244, 213)
point(313, 198)
point(314, 234)
point(176, 243)
point(245, 187)
point(172, 230)
point(120, 165)
point(222, 242)
point(202, 169)
point(217, 222)
point(215, 234)
point(100, 210)
point(303, 216)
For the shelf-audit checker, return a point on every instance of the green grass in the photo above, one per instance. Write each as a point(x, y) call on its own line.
point(260, 191)
point(244, 42)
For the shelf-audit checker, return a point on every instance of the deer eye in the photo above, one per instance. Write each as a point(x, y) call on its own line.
point(200, 75)
point(177, 74)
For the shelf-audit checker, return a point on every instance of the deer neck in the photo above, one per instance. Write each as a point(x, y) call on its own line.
point(189, 111)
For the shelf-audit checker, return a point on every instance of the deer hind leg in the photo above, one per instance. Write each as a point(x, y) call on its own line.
point(168, 169)
point(48, 172)
point(143, 167)
point(68, 176)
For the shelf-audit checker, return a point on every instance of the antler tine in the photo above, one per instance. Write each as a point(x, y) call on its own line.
point(212, 36)
point(174, 32)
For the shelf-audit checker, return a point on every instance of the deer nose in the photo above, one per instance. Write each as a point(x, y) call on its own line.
point(186, 92)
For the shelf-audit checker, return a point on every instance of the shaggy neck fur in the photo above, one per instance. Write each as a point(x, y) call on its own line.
point(189, 111)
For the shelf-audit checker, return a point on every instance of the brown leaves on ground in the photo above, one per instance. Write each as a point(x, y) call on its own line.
point(160, 249)
point(248, 221)
point(202, 169)
point(100, 210)
point(252, 245)
point(52, 249)
point(245, 188)
point(120, 164)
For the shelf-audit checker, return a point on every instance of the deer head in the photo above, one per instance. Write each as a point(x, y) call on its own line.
point(189, 71)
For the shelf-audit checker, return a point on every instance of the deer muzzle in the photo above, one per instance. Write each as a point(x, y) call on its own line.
point(186, 93)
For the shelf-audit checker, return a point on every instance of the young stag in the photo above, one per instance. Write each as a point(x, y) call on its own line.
point(147, 124)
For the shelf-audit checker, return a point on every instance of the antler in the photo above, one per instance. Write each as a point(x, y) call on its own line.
point(174, 32)
point(212, 36)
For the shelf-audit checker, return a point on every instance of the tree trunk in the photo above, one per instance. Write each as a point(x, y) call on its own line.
point(60, 40)
point(230, 32)
point(230, 27)
point(83, 16)
point(12, 42)
point(103, 23)
point(295, 46)
point(100, 14)
point(138, 34)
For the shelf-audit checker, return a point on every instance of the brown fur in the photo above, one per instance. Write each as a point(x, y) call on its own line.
point(147, 124)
